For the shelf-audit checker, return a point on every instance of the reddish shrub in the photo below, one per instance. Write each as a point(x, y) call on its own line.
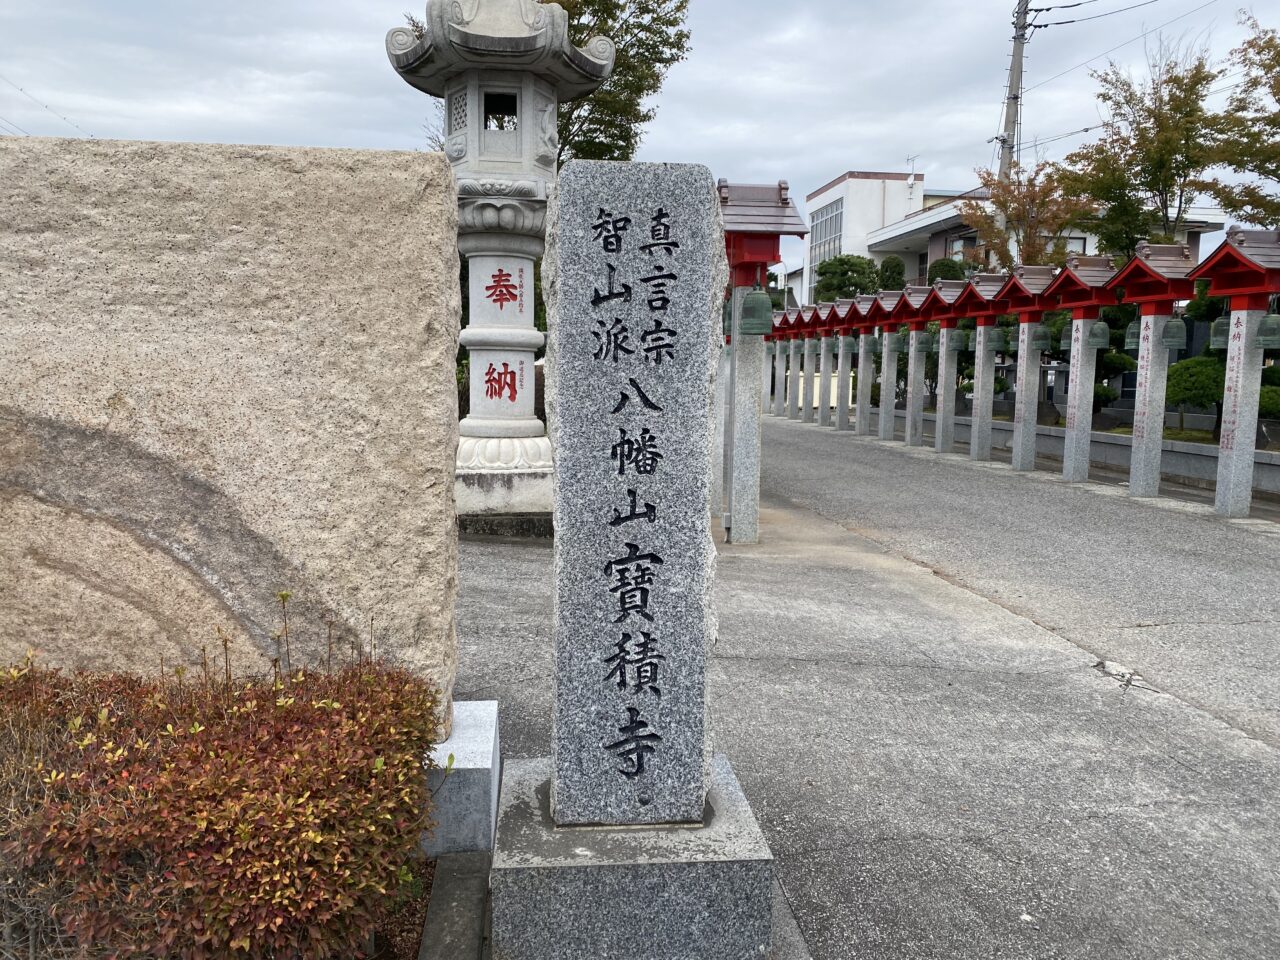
point(271, 819)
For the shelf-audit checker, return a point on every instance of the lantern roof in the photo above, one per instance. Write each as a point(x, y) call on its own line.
point(1247, 262)
point(760, 208)
point(980, 296)
point(1083, 283)
point(1023, 288)
point(516, 35)
point(916, 296)
point(1158, 272)
point(889, 299)
point(939, 304)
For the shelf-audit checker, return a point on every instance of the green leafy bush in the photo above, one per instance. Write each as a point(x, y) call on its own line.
point(945, 268)
point(210, 820)
point(1271, 376)
point(1269, 403)
point(893, 273)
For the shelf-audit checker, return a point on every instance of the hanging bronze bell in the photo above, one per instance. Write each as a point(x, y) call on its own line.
point(1099, 335)
point(1174, 336)
point(1040, 339)
point(1220, 334)
point(757, 314)
point(1064, 344)
point(1133, 336)
point(1269, 332)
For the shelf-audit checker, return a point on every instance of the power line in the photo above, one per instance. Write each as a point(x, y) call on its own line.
point(46, 106)
point(10, 123)
point(1085, 63)
point(1062, 6)
point(1097, 16)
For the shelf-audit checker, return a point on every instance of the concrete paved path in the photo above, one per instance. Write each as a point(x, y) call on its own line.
point(939, 774)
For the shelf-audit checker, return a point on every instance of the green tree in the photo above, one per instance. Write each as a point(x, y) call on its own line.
point(1269, 403)
point(893, 273)
point(1155, 148)
point(650, 37)
point(1198, 382)
point(1247, 133)
point(846, 276)
point(945, 269)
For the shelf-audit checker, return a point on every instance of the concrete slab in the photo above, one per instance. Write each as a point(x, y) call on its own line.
point(937, 766)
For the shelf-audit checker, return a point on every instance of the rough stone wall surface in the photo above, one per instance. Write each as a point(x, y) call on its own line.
point(228, 371)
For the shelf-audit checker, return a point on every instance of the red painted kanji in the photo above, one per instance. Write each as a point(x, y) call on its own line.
point(502, 291)
point(497, 382)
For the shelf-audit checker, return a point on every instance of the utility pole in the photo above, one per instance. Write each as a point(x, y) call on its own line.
point(1013, 103)
point(1012, 110)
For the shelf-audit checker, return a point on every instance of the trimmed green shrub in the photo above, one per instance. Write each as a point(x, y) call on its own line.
point(214, 819)
point(1269, 403)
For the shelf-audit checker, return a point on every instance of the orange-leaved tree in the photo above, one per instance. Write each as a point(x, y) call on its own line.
point(1026, 218)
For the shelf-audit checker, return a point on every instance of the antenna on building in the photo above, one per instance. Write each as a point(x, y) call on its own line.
point(911, 180)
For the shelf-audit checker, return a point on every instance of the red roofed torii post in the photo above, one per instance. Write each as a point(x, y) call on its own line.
point(1245, 268)
point(1152, 280)
point(980, 300)
point(1023, 291)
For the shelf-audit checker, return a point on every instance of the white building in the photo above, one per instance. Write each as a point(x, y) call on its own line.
point(878, 214)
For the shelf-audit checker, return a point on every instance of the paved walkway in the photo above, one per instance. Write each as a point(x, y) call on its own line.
point(905, 682)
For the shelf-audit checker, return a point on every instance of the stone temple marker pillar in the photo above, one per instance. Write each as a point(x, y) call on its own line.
point(915, 388)
point(1149, 402)
point(1084, 365)
point(502, 68)
point(888, 384)
point(866, 379)
point(633, 807)
point(1237, 448)
point(826, 351)
point(808, 404)
point(949, 339)
point(780, 350)
point(844, 371)
point(1027, 401)
point(984, 384)
point(794, 379)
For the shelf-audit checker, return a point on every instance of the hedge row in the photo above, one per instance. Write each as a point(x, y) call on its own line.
point(163, 819)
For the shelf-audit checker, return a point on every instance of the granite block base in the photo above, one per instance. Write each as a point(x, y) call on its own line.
point(465, 799)
point(605, 893)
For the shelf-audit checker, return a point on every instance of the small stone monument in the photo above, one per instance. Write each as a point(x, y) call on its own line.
point(633, 803)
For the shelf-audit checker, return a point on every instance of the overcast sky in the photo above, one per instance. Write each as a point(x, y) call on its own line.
point(801, 90)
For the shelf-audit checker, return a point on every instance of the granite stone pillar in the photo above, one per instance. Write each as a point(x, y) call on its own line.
point(808, 402)
point(915, 389)
point(888, 386)
point(633, 799)
point(1079, 442)
point(844, 373)
point(767, 376)
point(1240, 415)
point(720, 439)
point(826, 353)
point(744, 475)
point(1027, 401)
point(781, 349)
point(984, 385)
point(794, 380)
point(1149, 409)
point(945, 426)
point(866, 380)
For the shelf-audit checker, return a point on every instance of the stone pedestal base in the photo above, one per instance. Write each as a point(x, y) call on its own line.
point(465, 798)
point(572, 893)
point(504, 476)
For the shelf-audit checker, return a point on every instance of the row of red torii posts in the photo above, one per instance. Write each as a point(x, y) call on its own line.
point(819, 344)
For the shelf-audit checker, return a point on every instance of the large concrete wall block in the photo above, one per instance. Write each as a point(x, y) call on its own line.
point(228, 371)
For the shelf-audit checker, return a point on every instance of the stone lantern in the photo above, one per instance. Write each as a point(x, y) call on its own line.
point(502, 68)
